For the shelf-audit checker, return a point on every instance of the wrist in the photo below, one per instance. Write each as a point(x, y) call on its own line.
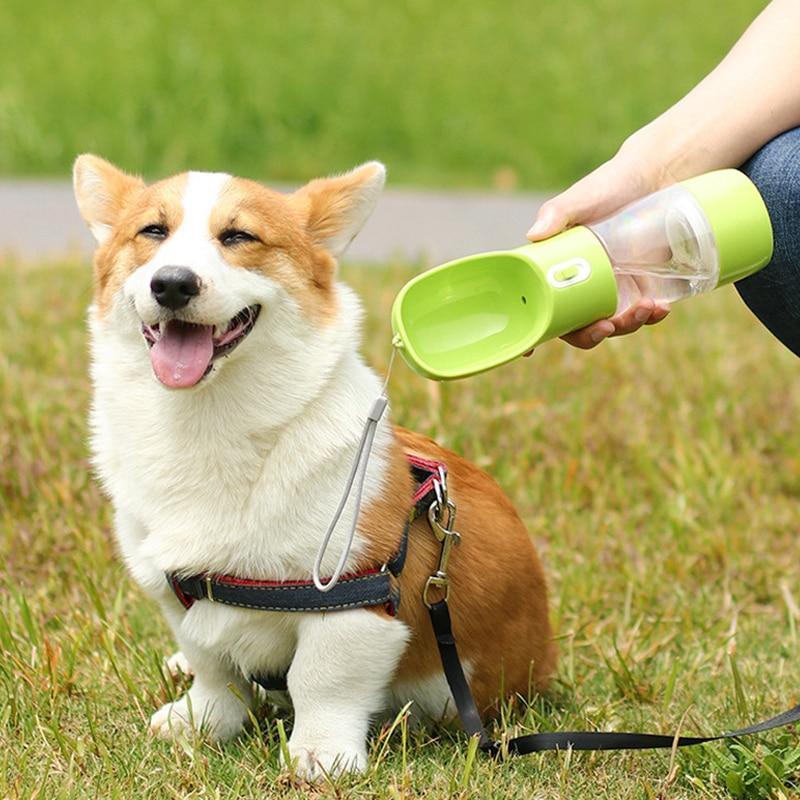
point(677, 146)
point(651, 151)
point(642, 159)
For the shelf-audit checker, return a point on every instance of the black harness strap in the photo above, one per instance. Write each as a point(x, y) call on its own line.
point(373, 587)
point(577, 740)
point(370, 589)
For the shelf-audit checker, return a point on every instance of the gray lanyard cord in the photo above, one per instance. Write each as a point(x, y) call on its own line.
point(358, 473)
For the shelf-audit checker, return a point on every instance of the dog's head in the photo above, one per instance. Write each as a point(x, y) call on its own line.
point(196, 264)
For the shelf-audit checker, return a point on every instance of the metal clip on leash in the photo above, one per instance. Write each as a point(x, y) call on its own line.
point(359, 469)
point(441, 518)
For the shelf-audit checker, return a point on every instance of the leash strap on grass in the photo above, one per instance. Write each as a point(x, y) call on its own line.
point(576, 740)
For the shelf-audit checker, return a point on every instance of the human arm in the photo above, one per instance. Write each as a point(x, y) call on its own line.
point(750, 97)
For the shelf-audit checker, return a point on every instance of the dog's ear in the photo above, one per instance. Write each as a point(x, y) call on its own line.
point(335, 209)
point(101, 190)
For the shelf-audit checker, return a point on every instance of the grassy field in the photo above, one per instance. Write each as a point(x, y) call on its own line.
point(659, 475)
point(469, 93)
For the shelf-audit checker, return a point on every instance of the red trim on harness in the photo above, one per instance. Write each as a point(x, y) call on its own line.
point(425, 463)
point(186, 602)
point(233, 581)
point(432, 467)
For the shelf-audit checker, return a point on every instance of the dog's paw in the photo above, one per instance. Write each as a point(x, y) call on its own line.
point(220, 719)
point(315, 762)
point(178, 666)
point(171, 720)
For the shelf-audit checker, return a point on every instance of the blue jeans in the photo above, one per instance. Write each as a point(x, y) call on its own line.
point(773, 294)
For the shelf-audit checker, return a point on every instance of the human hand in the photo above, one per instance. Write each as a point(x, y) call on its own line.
point(631, 174)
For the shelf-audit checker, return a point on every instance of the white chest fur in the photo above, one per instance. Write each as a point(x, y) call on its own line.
point(219, 479)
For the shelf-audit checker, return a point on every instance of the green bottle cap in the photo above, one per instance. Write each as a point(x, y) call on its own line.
point(739, 220)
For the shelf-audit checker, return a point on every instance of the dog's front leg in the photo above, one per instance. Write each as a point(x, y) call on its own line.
point(339, 678)
point(217, 702)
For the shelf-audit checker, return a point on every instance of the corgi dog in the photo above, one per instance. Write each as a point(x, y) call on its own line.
point(229, 399)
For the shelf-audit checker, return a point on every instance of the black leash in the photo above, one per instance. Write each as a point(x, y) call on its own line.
point(441, 516)
point(577, 740)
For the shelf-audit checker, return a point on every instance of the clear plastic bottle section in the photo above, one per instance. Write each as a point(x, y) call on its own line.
point(661, 247)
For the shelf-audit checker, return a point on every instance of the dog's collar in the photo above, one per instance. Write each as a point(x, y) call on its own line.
point(376, 586)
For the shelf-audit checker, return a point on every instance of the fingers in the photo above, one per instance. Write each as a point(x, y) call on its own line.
point(551, 219)
point(580, 203)
point(590, 336)
point(659, 312)
point(630, 320)
point(574, 206)
point(644, 312)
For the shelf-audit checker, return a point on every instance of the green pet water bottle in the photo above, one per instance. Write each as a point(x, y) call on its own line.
point(479, 312)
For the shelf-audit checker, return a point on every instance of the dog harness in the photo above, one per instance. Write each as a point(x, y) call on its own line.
point(378, 587)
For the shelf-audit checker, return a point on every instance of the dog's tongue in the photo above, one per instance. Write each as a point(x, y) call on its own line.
point(182, 354)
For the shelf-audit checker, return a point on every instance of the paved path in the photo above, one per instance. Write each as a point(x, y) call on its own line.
point(38, 220)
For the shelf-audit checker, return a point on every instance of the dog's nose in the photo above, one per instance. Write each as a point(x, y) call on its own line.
point(174, 287)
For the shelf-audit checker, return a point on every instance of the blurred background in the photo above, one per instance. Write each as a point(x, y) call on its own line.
point(516, 94)
point(504, 102)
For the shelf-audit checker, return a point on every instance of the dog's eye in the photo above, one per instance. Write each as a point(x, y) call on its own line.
point(156, 231)
point(232, 236)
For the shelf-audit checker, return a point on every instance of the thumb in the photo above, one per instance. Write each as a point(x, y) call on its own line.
point(551, 219)
point(605, 190)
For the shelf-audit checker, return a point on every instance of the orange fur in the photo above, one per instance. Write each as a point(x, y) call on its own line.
point(498, 598)
point(130, 205)
point(285, 252)
point(329, 202)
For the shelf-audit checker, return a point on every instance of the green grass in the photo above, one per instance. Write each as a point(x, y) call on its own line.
point(470, 93)
point(659, 475)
